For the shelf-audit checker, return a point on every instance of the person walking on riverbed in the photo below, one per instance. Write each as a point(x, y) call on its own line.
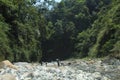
point(58, 62)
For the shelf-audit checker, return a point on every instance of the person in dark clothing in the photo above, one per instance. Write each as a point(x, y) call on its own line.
point(58, 62)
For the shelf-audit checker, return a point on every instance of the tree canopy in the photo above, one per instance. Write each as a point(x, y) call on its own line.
point(34, 30)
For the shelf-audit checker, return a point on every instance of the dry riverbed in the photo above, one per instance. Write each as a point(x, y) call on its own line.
point(77, 69)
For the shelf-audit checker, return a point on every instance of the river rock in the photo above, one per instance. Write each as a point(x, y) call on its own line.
point(80, 70)
point(7, 77)
point(7, 63)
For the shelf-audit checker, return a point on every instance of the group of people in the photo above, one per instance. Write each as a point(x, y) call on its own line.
point(57, 61)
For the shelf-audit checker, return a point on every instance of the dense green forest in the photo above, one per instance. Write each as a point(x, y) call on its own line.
point(35, 30)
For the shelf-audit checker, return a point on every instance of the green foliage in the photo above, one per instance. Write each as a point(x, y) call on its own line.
point(4, 41)
point(116, 47)
point(104, 30)
point(19, 27)
point(50, 30)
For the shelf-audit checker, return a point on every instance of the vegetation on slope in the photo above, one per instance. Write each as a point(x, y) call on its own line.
point(50, 30)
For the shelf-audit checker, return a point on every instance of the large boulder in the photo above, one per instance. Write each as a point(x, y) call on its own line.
point(7, 63)
point(7, 77)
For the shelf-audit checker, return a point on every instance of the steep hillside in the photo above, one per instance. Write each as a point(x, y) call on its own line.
point(104, 37)
point(35, 30)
